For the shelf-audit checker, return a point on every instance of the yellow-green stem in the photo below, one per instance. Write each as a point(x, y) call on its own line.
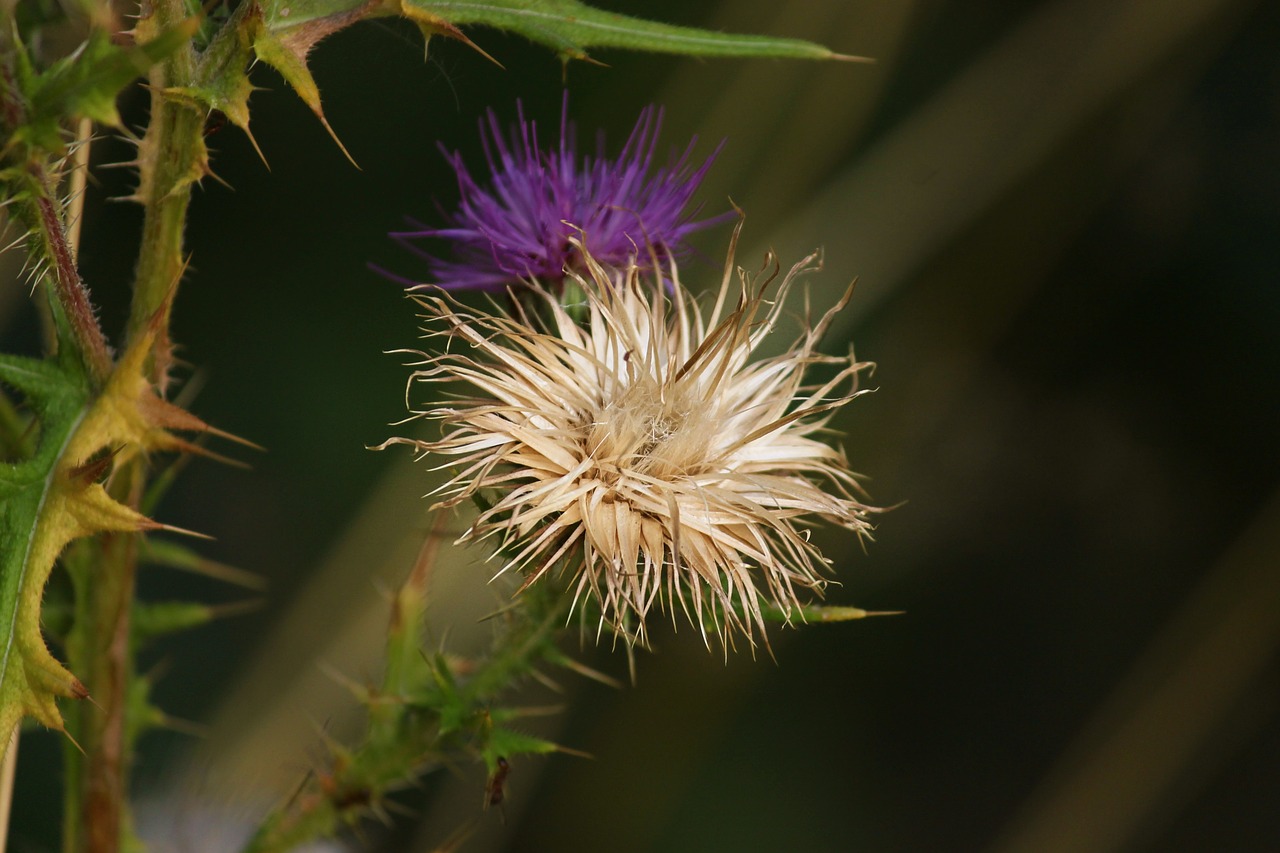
point(171, 158)
point(97, 819)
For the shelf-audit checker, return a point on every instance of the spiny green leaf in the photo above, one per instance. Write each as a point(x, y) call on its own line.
point(55, 497)
point(30, 677)
point(569, 27)
point(291, 28)
point(572, 28)
point(221, 80)
point(290, 59)
point(85, 84)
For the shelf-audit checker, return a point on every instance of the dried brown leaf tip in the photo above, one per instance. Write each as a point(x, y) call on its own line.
point(637, 442)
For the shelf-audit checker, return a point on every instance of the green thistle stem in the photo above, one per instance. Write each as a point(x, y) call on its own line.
point(96, 818)
point(172, 156)
point(430, 711)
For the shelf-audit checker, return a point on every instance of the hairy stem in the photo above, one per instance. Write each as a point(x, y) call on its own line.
point(97, 820)
point(43, 216)
point(171, 158)
point(67, 284)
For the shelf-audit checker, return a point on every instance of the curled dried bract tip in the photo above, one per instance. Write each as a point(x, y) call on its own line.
point(644, 450)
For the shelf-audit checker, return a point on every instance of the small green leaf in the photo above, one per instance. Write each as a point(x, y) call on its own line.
point(505, 743)
point(85, 84)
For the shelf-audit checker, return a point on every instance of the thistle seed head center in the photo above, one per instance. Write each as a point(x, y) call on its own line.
point(653, 428)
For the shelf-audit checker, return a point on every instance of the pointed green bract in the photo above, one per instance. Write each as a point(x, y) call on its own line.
point(221, 79)
point(822, 613)
point(174, 555)
point(157, 618)
point(503, 742)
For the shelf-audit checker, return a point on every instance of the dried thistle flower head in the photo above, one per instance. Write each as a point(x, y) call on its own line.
point(643, 450)
point(517, 224)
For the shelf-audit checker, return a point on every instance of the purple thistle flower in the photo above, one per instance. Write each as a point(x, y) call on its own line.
point(519, 225)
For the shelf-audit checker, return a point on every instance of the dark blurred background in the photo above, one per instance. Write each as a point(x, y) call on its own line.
point(1064, 221)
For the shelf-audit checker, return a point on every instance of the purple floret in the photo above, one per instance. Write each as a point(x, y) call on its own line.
point(519, 225)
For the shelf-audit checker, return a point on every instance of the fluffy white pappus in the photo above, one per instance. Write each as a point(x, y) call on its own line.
point(636, 441)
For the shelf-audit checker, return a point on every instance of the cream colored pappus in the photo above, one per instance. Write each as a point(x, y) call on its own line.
point(642, 449)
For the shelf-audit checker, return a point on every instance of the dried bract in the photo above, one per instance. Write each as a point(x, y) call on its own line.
point(643, 449)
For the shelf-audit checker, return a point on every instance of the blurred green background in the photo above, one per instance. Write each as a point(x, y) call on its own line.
point(1064, 221)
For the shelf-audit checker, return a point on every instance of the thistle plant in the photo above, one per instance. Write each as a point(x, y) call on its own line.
point(624, 448)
